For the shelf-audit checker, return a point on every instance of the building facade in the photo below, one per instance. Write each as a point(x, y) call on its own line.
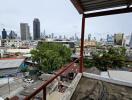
point(25, 31)
point(130, 42)
point(36, 29)
point(110, 40)
point(4, 34)
point(118, 39)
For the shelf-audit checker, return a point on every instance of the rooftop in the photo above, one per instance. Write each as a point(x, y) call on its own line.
point(6, 63)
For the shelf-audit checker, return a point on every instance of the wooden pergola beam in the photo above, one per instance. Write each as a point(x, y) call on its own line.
point(109, 12)
point(78, 6)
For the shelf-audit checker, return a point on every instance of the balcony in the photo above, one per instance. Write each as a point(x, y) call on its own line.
point(85, 85)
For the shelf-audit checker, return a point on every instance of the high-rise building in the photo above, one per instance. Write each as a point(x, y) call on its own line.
point(25, 31)
point(28, 36)
point(128, 40)
point(110, 39)
point(64, 37)
point(4, 34)
point(36, 29)
point(118, 38)
point(89, 37)
point(12, 35)
point(60, 37)
point(52, 35)
point(130, 43)
point(76, 37)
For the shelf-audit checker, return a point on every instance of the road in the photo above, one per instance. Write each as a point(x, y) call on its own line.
point(11, 89)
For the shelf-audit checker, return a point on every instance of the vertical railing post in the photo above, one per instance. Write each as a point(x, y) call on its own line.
point(82, 43)
point(44, 93)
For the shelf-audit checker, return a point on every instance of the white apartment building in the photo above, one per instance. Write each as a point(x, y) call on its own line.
point(13, 43)
point(16, 43)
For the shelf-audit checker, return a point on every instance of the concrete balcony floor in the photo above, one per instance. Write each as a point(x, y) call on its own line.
point(91, 89)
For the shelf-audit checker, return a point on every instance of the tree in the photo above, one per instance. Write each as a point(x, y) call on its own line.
point(111, 58)
point(13, 46)
point(50, 56)
point(17, 53)
point(88, 63)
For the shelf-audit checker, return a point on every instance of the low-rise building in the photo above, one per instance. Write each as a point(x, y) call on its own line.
point(89, 46)
point(22, 51)
point(16, 43)
point(9, 65)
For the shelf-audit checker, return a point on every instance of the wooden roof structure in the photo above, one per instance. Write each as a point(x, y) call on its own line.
point(86, 6)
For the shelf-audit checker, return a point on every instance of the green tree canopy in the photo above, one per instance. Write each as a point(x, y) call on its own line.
point(51, 56)
point(111, 58)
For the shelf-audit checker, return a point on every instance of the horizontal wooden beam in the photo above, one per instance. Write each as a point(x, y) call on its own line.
point(109, 12)
point(78, 6)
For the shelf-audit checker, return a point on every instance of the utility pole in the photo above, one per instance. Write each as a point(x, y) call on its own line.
point(9, 84)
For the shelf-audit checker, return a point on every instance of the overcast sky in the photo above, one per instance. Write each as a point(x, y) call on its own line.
point(59, 17)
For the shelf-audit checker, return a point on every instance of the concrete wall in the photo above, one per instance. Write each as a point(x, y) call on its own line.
point(110, 80)
point(121, 75)
point(69, 92)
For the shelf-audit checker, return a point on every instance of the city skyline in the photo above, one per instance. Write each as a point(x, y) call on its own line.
point(58, 21)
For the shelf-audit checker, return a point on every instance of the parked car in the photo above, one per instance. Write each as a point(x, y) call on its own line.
point(28, 80)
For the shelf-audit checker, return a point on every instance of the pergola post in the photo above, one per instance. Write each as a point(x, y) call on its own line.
point(44, 93)
point(82, 43)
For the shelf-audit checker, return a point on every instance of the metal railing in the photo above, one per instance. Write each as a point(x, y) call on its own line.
point(43, 86)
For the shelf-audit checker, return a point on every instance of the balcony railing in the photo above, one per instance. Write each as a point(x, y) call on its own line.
point(43, 86)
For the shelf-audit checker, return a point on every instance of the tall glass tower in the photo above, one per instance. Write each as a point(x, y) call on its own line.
point(36, 29)
point(4, 34)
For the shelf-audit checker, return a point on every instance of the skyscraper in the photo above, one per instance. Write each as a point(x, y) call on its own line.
point(36, 29)
point(52, 35)
point(4, 34)
point(110, 39)
point(12, 35)
point(89, 37)
point(130, 43)
point(28, 36)
point(25, 31)
point(118, 38)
